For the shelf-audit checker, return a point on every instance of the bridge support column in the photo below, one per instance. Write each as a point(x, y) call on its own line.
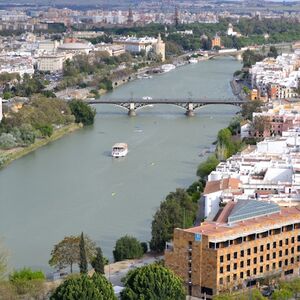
point(131, 110)
point(190, 110)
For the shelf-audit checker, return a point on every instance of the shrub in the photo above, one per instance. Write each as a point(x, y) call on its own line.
point(96, 287)
point(7, 141)
point(153, 282)
point(127, 247)
point(27, 281)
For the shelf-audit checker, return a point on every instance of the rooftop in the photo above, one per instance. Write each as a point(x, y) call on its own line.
point(221, 230)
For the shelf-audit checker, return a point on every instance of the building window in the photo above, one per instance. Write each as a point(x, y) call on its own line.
point(248, 273)
point(293, 240)
point(274, 245)
point(248, 251)
point(261, 259)
point(241, 275)
point(274, 266)
point(261, 248)
point(286, 241)
point(221, 258)
point(292, 260)
point(268, 246)
point(248, 262)
point(261, 269)
point(298, 248)
point(228, 278)
point(221, 270)
point(255, 250)
point(292, 250)
point(280, 253)
point(255, 260)
point(274, 254)
point(268, 256)
point(286, 251)
point(288, 272)
point(267, 268)
point(254, 271)
point(221, 280)
point(242, 253)
point(286, 262)
point(228, 257)
point(234, 277)
point(242, 264)
point(228, 268)
point(280, 243)
point(298, 238)
point(280, 264)
point(298, 258)
point(234, 266)
point(235, 255)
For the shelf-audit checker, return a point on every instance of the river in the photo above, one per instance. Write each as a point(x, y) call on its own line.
point(73, 185)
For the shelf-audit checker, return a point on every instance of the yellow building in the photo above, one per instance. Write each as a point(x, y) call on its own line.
point(216, 41)
point(247, 241)
point(160, 48)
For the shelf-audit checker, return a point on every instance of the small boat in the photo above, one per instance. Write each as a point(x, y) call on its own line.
point(119, 150)
point(193, 60)
point(167, 68)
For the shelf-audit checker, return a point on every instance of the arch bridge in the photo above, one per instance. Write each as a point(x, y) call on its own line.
point(189, 105)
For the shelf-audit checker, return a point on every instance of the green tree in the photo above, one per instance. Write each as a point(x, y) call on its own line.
point(83, 112)
point(84, 287)
point(178, 210)
point(205, 168)
point(83, 264)
point(250, 107)
point(127, 247)
point(98, 262)
point(45, 130)
point(273, 52)
point(152, 282)
point(66, 252)
point(27, 134)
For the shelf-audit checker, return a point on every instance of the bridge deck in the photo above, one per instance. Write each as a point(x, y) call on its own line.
point(166, 101)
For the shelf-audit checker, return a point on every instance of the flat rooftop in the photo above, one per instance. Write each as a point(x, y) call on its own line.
point(221, 230)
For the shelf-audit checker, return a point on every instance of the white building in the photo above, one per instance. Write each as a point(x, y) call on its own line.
point(268, 172)
point(136, 45)
point(51, 62)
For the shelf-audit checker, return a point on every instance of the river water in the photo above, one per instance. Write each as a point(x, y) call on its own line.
point(73, 184)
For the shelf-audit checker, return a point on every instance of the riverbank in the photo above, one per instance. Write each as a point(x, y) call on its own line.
point(8, 156)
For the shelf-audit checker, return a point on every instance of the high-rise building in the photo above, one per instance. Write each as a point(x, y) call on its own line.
point(246, 241)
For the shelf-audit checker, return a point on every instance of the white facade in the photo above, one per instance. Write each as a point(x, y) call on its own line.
point(51, 62)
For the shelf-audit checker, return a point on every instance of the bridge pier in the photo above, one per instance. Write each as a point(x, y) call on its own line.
point(190, 110)
point(131, 110)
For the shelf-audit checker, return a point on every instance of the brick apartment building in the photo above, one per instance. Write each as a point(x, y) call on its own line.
point(247, 240)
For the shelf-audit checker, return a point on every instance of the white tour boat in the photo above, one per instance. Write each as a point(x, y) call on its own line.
point(119, 150)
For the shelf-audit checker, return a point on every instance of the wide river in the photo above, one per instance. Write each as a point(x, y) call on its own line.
point(73, 185)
